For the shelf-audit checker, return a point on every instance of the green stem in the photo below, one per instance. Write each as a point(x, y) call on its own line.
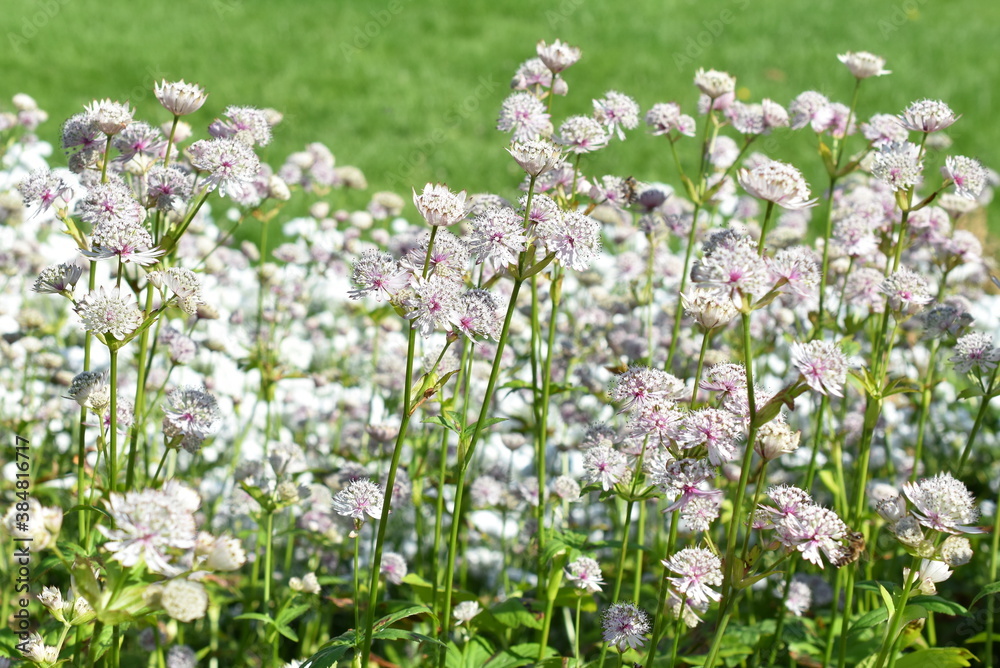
point(679, 306)
point(892, 632)
point(705, 341)
point(576, 635)
point(113, 427)
point(555, 289)
point(659, 618)
point(140, 395)
point(817, 439)
point(983, 405)
point(763, 228)
point(991, 600)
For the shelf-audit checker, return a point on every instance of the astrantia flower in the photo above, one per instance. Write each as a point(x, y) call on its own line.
point(927, 116)
point(747, 119)
point(908, 291)
point(435, 304)
point(714, 83)
point(797, 268)
point(775, 439)
point(625, 626)
point(956, 551)
point(498, 235)
point(184, 284)
point(110, 204)
point(58, 278)
point(943, 504)
point(558, 55)
point(393, 567)
point(465, 611)
point(478, 314)
point(180, 98)
point(665, 117)
point(192, 414)
point(931, 572)
point(975, 351)
point(139, 138)
point(536, 157)
point(439, 206)
point(732, 267)
point(152, 525)
point(582, 134)
point(700, 511)
point(813, 530)
point(863, 64)
point(184, 600)
point(882, 129)
point(823, 365)
point(377, 273)
point(574, 237)
point(779, 183)
point(566, 488)
point(110, 117)
point(109, 313)
point(43, 187)
point(231, 164)
point(698, 569)
point(585, 573)
point(246, 124)
point(604, 465)
point(683, 480)
point(91, 390)
point(617, 112)
point(898, 165)
point(806, 107)
point(359, 498)
point(166, 187)
point(525, 115)
point(968, 175)
point(530, 74)
point(222, 553)
point(642, 385)
point(788, 500)
point(708, 308)
point(718, 430)
point(125, 243)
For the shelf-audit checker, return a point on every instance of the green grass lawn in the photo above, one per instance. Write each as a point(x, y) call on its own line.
point(409, 90)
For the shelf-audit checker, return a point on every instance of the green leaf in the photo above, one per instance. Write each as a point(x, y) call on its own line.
point(868, 620)
point(287, 632)
point(444, 420)
point(938, 604)
point(288, 614)
point(512, 613)
point(826, 477)
point(391, 618)
point(403, 634)
point(256, 615)
point(326, 657)
point(477, 652)
point(83, 506)
point(991, 588)
point(86, 583)
point(900, 386)
point(486, 423)
point(538, 266)
point(939, 657)
point(887, 598)
point(971, 391)
point(519, 655)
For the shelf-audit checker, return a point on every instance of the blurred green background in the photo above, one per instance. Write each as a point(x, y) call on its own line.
point(409, 90)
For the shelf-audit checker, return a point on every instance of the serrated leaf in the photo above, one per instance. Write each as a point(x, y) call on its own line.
point(939, 657)
point(938, 604)
point(512, 613)
point(991, 588)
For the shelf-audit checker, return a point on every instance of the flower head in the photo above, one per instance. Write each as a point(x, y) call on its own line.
point(863, 64)
point(640, 386)
point(779, 183)
point(180, 98)
point(714, 84)
point(525, 114)
point(536, 157)
point(823, 365)
point(943, 503)
point(708, 308)
point(898, 165)
point(465, 611)
point(478, 315)
point(184, 600)
point(361, 497)
point(698, 569)
point(975, 351)
point(582, 134)
point(617, 112)
point(716, 429)
point(968, 175)
point(232, 165)
point(43, 187)
point(109, 313)
point(927, 116)
point(806, 108)
point(585, 573)
point(625, 626)
point(393, 567)
point(245, 124)
point(498, 235)
point(604, 465)
point(377, 273)
point(110, 117)
point(883, 129)
point(558, 55)
point(152, 525)
point(666, 117)
point(575, 239)
point(58, 278)
point(192, 414)
point(439, 206)
point(908, 291)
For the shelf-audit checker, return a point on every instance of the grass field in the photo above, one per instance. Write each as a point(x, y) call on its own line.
point(409, 91)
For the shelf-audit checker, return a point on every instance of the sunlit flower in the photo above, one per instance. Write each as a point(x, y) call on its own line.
point(558, 55)
point(944, 504)
point(927, 116)
point(525, 115)
point(585, 574)
point(361, 497)
point(975, 351)
point(698, 569)
point(617, 112)
point(582, 134)
point(439, 206)
point(863, 64)
point(625, 626)
point(823, 365)
point(180, 98)
point(779, 183)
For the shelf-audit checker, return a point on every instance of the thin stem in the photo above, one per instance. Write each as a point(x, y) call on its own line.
point(113, 427)
point(705, 341)
point(892, 632)
point(983, 405)
point(140, 394)
point(679, 306)
point(991, 600)
point(555, 289)
point(658, 620)
point(763, 228)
